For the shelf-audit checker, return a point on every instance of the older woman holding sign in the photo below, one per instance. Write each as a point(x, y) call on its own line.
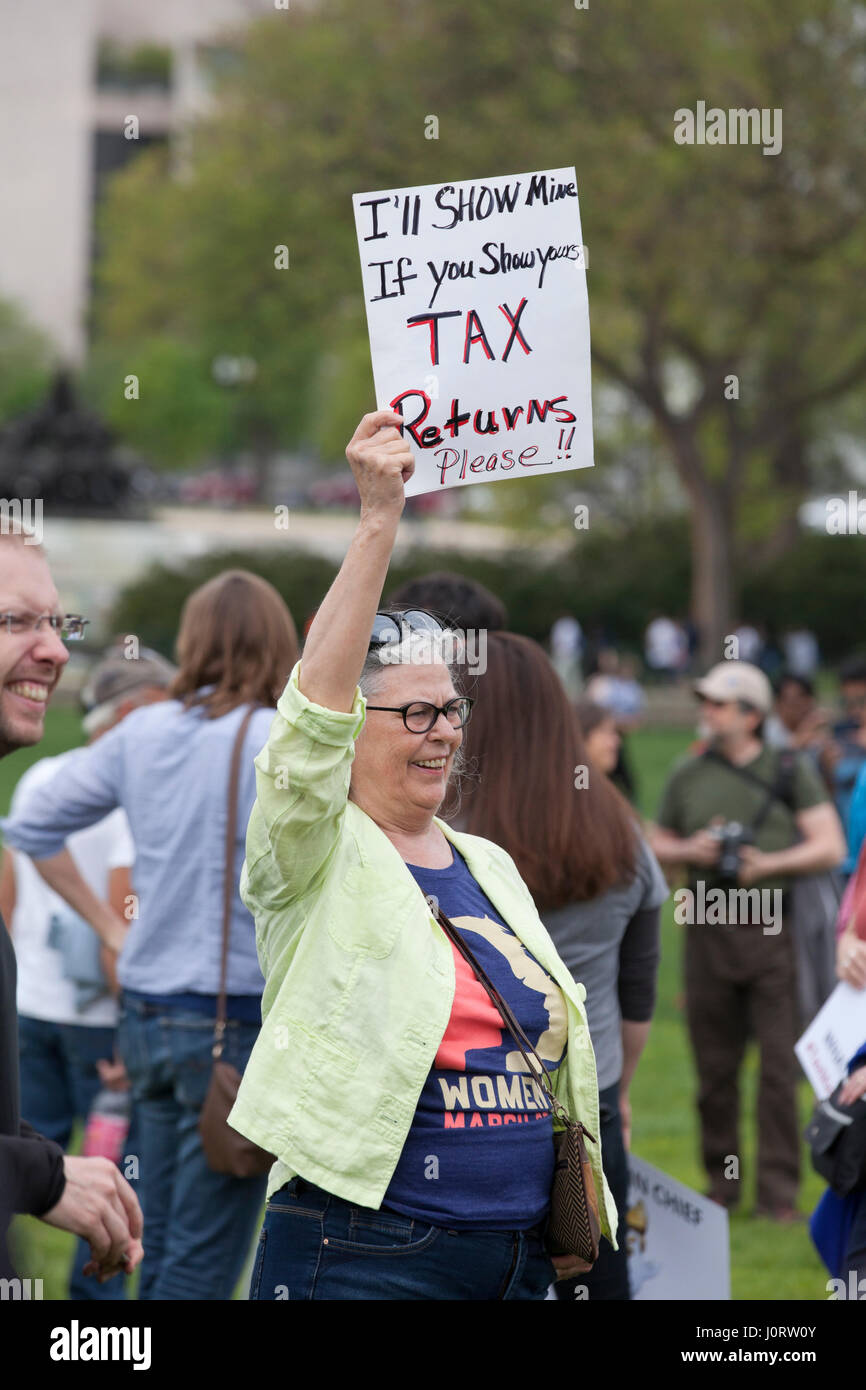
point(415, 1146)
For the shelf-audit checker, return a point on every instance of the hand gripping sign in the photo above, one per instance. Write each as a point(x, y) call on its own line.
point(479, 325)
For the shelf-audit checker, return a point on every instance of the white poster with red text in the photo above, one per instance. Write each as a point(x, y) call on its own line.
point(479, 325)
point(836, 1032)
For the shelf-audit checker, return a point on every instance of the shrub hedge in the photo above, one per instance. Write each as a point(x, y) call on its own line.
point(611, 582)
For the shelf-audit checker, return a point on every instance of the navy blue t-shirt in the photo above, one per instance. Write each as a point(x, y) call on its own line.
point(479, 1154)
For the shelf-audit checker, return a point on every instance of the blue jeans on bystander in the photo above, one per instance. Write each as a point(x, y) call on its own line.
point(198, 1224)
point(59, 1083)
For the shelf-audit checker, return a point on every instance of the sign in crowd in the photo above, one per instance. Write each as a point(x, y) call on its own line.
point(479, 325)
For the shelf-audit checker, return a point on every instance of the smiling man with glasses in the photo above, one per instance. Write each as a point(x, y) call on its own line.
point(32, 650)
point(87, 1196)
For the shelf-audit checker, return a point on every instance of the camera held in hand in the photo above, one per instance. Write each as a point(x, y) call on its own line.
point(731, 836)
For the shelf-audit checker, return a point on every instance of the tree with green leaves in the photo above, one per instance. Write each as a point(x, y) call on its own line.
point(26, 363)
point(725, 279)
point(174, 412)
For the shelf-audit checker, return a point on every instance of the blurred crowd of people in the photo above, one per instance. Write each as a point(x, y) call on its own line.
point(671, 647)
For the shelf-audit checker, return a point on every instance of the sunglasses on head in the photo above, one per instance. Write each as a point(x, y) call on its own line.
point(394, 627)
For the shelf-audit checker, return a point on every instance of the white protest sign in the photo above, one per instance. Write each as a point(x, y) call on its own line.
point(479, 325)
point(677, 1240)
point(836, 1032)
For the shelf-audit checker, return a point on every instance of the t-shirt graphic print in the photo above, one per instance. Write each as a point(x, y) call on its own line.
point(479, 1154)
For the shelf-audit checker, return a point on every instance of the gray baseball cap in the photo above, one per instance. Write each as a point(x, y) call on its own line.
point(117, 675)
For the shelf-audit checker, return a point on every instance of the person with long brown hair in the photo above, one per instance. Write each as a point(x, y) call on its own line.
point(167, 765)
point(579, 849)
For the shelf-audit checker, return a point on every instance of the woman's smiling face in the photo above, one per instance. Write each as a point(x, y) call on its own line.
point(400, 778)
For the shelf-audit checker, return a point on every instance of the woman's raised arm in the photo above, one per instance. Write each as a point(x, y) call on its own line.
point(338, 640)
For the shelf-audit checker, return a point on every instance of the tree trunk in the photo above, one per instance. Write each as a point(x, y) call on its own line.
point(261, 447)
point(712, 586)
point(712, 544)
point(263, 463)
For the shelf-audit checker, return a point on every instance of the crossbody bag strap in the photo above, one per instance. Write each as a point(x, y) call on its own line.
point(229, 877)
point(774, 790)
point(524, 1046)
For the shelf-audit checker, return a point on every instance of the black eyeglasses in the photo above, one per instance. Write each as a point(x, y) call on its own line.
point(393, 627)
point(420, 715)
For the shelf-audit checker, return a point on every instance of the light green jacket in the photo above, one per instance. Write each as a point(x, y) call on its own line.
point(359, 976)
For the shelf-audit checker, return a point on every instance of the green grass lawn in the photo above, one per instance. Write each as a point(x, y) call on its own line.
point(767, 1261)
point(62, 731)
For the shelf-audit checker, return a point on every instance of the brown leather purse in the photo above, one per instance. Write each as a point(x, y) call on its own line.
point(225, 1149)
point(573, 1226)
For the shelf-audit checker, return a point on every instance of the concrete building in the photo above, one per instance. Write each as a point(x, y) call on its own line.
point(72, 72)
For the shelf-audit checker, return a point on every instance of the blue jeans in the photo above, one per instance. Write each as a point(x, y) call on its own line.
point(608, 1278)
point(855, 1250)
point(59, 1083)
point(314, 1245)
point(198, 1224)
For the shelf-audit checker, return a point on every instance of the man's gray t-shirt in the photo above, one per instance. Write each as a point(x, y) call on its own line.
point(591, 937)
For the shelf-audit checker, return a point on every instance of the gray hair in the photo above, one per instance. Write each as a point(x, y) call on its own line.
point(416, 649)
point(372, 675)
